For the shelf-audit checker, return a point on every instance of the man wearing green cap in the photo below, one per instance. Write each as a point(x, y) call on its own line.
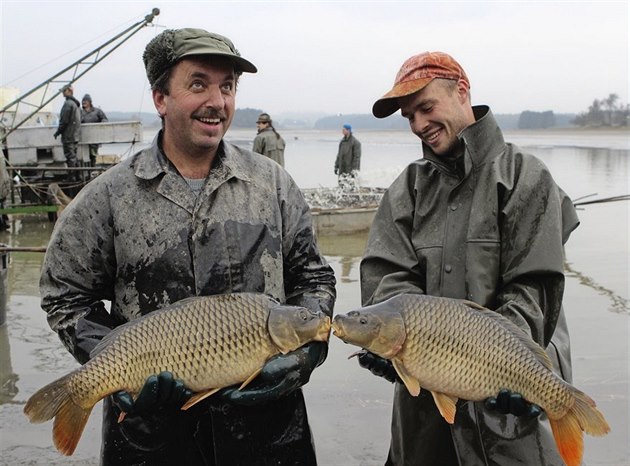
point(268, 141)
point(192, 215)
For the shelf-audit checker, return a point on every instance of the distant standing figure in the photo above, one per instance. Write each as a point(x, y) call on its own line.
point(91, 114)
point(348, 162)
point(268, 142)
point(70, 128)
point(6, 184)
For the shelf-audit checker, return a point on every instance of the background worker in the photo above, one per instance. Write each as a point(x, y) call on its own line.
point(268, 142)
point(69, 129)
point(91, 114)
point(192, 215)
point(348, 161)
point(478, 219)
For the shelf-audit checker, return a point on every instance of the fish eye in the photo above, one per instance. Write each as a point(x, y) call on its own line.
point(304, 315)
point(363, 320)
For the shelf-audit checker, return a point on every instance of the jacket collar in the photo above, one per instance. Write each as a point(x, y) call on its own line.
point(152, 163)
point(483, 141)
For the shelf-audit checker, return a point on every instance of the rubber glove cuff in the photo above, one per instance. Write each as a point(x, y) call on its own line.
point(280, 376)
point(378, 366)
point(508, 402)
point(159, 391)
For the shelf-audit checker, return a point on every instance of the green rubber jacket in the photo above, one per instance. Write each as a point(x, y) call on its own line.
point(139, 238)
point(270, 144)
point(489, 228)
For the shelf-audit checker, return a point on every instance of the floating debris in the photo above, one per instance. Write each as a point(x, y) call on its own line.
point(343, 197)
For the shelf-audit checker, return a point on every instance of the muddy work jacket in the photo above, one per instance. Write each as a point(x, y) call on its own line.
point(270, 144)
point(138, 237)
point(489, 228)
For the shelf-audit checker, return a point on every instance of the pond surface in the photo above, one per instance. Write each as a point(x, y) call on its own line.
point(349, 409)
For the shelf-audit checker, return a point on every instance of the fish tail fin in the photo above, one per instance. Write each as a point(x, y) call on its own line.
point(567, 431)
point(55, 400)
point(568, 435)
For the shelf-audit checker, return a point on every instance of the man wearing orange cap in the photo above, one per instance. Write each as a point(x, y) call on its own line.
point(478, 219)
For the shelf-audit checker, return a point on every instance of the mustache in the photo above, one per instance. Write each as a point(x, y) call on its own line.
point(210, 113)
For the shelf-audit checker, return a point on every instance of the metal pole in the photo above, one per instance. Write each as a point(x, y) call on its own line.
point(135, 27)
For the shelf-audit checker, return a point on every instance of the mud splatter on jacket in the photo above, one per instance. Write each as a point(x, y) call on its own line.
point(489, 228)
point(137, 236)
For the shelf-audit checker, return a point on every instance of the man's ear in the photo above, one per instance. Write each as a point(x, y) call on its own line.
point(159, 100)
point(463, 91)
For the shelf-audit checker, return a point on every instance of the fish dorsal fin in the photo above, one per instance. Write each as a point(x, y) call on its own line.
point(412, 384)
point(197, 397)
point(518, 332)
point(446, 404)
point(474, 305)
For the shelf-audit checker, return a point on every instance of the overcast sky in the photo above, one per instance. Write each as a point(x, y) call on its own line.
point(337, 56)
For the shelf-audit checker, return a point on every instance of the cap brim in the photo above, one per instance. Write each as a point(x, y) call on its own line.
point(240, 64)
point(388, 104)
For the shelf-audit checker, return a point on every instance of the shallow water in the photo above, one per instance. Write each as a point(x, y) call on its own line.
point(349, 409)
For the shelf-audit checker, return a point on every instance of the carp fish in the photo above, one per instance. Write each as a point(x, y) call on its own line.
point(459, 349)
point(208, 342)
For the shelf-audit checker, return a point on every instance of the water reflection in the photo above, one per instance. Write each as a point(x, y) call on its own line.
point(348, 248)
point(8, 378)
point(618, 304)
point(25, 267)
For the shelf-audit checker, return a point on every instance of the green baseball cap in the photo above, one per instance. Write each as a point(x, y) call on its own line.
point(164, 50)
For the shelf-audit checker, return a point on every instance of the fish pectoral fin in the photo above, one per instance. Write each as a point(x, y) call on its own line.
point(412, 384)
point(250, 378)
point(446, 404)
point(197, 397)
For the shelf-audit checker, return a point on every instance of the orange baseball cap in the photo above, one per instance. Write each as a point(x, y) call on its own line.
point(414, 75)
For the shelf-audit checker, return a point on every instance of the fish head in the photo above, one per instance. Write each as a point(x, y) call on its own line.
point(293, 326)
point(382, 333)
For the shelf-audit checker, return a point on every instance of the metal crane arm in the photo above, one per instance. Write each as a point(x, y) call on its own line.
point(81, 66)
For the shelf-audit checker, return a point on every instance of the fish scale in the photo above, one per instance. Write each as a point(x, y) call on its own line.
point(206, 342)
point(443, 361)
point(458, 349)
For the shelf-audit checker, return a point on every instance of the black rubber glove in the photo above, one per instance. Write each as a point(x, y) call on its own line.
point(507, 402)
point(56, 134)
point(378, 366)
point(280, 376)
point(159, 391)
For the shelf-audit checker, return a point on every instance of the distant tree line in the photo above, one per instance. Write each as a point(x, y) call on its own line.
point(602, 113)
point(363, 121)
point(536, 120)
point(246, 117)
point(605, 112)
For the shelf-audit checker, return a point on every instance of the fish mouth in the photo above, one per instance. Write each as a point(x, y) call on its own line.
point(338, 329)
point(323, 333)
